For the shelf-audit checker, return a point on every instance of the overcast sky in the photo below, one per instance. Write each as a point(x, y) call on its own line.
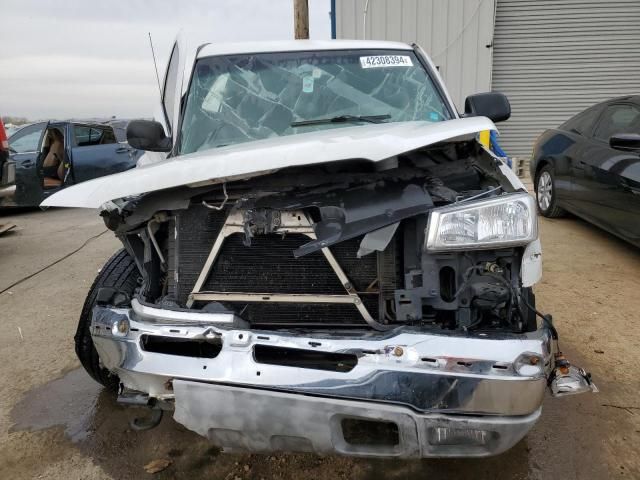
point(78, 58)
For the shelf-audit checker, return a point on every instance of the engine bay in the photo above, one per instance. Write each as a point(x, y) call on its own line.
point(336, 245)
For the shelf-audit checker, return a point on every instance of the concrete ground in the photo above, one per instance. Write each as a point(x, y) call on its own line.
point(55, 422)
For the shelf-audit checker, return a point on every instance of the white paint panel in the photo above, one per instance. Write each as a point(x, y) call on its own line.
point(531, 269)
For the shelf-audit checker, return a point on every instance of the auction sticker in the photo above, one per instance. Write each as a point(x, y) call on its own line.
point(379, 61)
point(307, 84)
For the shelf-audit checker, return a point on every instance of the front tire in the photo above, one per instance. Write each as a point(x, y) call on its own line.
point(119, 272)
point(546, 196)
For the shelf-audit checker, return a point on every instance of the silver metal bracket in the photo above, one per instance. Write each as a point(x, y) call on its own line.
point(289, 222)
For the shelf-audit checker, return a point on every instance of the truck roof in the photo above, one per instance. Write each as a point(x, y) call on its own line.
point(213, 49)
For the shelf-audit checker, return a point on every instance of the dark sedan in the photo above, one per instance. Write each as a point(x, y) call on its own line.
point(50, 156)
point(590, 166)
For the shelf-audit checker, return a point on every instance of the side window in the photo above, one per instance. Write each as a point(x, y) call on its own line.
point(107, 136)
point(168, 95)
point(89, 136)
point(82, 135)
point(617, 119)
point(583, 122)
point(27, 139)
point(95, 136)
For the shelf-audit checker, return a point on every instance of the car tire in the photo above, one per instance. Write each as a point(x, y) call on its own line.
point(546, 197)
point(119, 272)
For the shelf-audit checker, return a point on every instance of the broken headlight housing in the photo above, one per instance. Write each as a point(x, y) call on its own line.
point(507, 220)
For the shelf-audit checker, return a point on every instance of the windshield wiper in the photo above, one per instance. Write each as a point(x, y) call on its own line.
point(343, 119)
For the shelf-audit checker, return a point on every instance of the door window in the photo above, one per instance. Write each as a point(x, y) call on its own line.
point(618, 119)
point(583, 122)
point(107, 136)
point(27, 139)
point(88, 136)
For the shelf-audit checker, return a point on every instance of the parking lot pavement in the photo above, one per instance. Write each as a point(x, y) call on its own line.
point(55, 422)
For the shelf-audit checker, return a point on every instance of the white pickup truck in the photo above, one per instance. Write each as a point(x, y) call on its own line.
point(326, 260)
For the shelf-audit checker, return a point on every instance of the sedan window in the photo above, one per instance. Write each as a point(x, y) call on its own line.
point(583, 122)
point(618, 119)
point(87, 136)
point(26, 139)
point(107, 135)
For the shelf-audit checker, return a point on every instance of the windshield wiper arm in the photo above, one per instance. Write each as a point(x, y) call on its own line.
point(343, 119)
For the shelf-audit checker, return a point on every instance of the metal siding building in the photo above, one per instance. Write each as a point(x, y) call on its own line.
point(455, 34)
point(555, 58)
point(552, 58)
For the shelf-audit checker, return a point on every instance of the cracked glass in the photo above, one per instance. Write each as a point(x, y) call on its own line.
point(240, 98)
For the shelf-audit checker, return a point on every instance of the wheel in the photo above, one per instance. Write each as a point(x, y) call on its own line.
point(546, 193)
point(119, 272)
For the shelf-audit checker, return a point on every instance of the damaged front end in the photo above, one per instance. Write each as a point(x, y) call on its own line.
point(375, 309)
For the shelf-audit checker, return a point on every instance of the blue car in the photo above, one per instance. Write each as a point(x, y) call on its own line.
point(53, 155)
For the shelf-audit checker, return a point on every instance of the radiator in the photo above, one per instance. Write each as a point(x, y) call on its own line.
point(268, 266)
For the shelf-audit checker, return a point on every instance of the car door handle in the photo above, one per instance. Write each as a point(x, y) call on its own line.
point(123, 149)
point(578, 164)
point(28, 164)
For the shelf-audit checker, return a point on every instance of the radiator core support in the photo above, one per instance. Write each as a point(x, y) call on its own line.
point(291, 222)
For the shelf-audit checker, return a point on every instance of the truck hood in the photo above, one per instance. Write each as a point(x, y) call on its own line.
point(236, 162)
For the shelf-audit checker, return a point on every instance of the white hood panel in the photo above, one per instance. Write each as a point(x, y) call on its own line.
point(371, 142)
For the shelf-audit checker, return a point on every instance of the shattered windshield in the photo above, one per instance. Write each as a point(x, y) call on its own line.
point(239, 98)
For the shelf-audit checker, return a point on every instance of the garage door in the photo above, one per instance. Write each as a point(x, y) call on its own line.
point(554, 58)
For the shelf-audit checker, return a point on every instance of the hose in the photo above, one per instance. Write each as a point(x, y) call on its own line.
point(546, 319)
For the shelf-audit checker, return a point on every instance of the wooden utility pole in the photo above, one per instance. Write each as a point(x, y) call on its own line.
point(301, 19)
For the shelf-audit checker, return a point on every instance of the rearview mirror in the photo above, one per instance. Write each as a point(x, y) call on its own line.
point(148, 135)
point(625, 141)
point(493, 105)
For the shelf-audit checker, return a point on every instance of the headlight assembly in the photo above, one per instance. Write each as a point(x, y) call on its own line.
point(507, 220)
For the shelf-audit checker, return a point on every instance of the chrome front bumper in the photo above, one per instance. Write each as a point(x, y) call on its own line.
point(425, 383)
point(245, 419)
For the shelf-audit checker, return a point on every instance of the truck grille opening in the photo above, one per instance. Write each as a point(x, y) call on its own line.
point(268, 266)
point(358, 431)
point(183, 347)
point(295, 357)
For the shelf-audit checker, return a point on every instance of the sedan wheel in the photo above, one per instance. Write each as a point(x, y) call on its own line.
point(546, 194)
point(545, 191)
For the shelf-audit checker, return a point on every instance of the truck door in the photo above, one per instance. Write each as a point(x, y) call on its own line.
point(96, 153)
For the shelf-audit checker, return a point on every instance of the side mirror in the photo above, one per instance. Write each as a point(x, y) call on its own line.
point(148, 135)
point(493, 105)
point(628, 142)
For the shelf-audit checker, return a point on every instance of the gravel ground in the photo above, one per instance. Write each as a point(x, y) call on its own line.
point(55, 422)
